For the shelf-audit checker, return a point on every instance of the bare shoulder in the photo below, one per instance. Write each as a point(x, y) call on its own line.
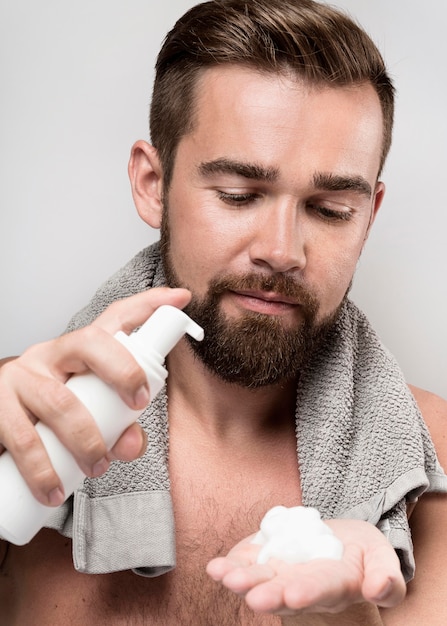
point(429, 402)
point(426, 593)
point(434, 412)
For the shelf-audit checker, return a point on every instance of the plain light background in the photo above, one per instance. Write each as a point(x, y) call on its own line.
point(75, 83)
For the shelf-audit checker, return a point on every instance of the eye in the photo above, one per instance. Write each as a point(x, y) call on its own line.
point(237, 199)
point(331, 215)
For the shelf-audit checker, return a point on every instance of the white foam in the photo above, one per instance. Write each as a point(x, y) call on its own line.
point(296, 535)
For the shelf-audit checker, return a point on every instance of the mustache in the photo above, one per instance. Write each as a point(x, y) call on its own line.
point(280, 284)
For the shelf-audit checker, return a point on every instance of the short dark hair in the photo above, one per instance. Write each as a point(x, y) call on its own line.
point(319, 43)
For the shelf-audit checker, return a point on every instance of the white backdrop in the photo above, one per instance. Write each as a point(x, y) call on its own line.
point(75, 81)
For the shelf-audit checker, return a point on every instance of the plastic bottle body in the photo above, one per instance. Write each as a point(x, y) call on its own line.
point(21, 515)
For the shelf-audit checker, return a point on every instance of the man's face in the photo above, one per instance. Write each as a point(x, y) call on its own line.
point(270, 203)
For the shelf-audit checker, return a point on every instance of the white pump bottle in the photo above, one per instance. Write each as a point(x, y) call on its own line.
point(21, 515)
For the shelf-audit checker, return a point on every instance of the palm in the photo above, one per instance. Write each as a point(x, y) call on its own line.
point(369, 570)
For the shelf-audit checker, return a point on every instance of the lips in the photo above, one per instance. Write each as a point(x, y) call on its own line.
point(267, 297)
point(266, 303)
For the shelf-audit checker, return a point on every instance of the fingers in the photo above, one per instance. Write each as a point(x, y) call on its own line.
point(383, 584)
point(369, 571)
point(243, 580)
point(242, 556)
point(130, 313)
point(239, 577)
point(218, 568)
point(92, 348)
point(316, 586)
point(382, 579)
point(19, 436)
point(32, 389)
point(131, 445)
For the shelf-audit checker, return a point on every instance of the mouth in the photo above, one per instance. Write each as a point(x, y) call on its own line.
point(267, 302)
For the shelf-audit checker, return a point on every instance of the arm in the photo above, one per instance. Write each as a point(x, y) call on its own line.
point(32, 388)
point(427, 592)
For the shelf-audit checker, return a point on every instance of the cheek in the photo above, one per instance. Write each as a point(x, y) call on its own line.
point(198, 244)
point(200, 231)
point(196, 251)
point(334, 278)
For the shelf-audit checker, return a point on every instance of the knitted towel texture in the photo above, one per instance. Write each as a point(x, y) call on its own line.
point(362, 447)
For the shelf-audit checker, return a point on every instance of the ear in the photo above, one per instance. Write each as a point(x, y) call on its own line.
point(146, 179)
point(379, 194)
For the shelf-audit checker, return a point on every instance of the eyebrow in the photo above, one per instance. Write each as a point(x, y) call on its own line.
point(251, 171)
point(334, 182)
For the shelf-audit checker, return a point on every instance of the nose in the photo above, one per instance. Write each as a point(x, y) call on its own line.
point(278, 241)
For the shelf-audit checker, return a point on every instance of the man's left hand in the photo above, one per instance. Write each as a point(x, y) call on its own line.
point(368, 571)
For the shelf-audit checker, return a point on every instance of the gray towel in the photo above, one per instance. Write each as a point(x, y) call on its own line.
point(363, 449)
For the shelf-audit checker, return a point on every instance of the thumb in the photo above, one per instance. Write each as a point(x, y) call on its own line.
point(131, 312)
point(384, 583)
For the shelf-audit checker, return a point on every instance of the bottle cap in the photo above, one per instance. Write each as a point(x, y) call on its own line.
point(165, 328)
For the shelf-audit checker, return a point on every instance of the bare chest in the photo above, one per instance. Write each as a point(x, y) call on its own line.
point(215, 507)
point(213, 511)
point(40, 586)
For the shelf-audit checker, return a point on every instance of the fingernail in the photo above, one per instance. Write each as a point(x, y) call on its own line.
point(142, 397)
point(385, 591)
point(100, 467)
point(56, 497)
point(144, 443)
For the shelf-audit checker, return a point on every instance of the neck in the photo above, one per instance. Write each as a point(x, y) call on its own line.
point(224, 409)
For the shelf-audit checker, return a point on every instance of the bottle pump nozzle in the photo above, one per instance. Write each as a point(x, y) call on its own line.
point(165, 328)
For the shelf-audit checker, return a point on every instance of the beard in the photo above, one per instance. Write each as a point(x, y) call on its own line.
point(255, 350)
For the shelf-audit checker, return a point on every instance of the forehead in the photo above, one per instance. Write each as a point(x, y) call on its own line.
point(277, 118)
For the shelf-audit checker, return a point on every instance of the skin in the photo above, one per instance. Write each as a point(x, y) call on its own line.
point(267, 123)
point(228, 220)
point(36, 381)
point(426, 592)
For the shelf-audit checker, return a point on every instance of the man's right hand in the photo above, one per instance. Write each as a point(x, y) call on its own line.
point(32, 388)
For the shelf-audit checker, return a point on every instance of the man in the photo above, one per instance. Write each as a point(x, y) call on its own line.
point(270, 122)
